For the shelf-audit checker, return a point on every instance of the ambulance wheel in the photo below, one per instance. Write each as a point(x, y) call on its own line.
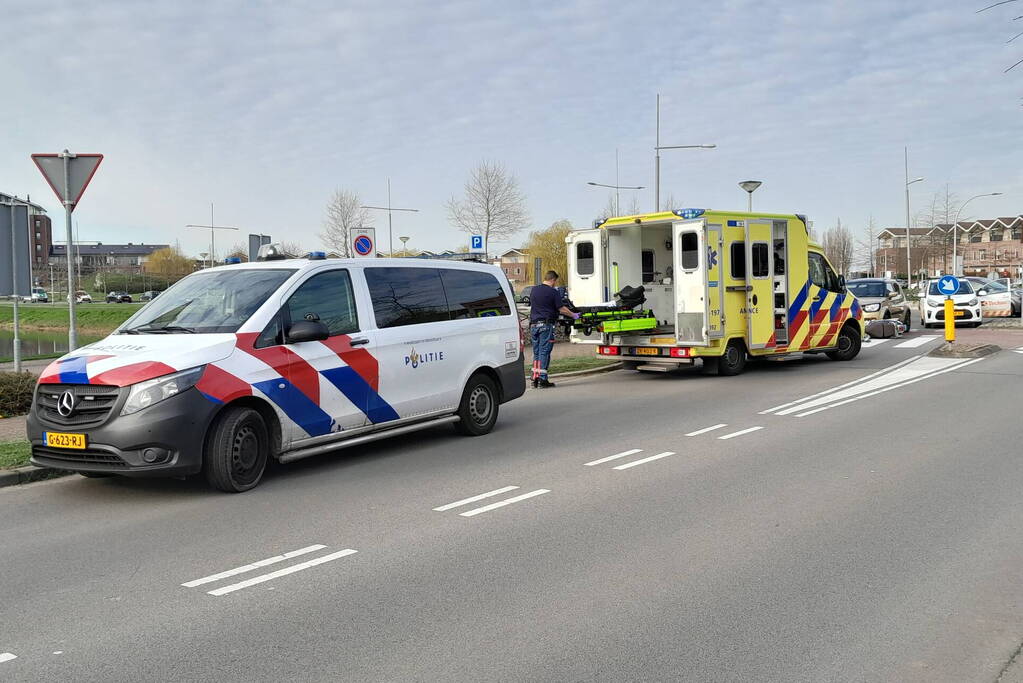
point(733, 360)
point(849, 343)
point(478, 409)
point(237, 450)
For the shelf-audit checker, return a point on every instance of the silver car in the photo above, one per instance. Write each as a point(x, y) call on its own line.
point(881, 299)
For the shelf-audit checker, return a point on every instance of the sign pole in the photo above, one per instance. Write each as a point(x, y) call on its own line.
point(69, 205)
point(14, 290)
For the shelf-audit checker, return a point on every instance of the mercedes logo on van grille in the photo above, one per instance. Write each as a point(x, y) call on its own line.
point(66, 404)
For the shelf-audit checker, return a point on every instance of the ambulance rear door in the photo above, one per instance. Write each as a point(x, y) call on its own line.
point(759, 308)
point(692, 308)
point(587, 272)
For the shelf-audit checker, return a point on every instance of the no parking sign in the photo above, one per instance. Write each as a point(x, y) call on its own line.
point(364, 242)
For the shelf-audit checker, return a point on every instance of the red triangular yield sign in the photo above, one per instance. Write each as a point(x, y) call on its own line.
point(81, 169)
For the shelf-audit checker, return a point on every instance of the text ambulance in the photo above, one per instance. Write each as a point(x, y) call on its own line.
point(719, 286)
point(282, 359)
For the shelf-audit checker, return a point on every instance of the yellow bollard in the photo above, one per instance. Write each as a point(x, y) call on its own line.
point(950, 320)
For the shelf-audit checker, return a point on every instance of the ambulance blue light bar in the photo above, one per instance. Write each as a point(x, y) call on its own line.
point(688, 213)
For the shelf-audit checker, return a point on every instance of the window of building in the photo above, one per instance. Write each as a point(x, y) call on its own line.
point(982, 254)
point(996, 235)
point(473, 294)
point(584, 258)
point(39, 235)
point(648, 265)
point(39, 247)
point(1015, 234)
point(974, 236)
point(406, 296)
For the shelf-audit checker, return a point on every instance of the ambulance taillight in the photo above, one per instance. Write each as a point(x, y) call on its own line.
point(609, 350)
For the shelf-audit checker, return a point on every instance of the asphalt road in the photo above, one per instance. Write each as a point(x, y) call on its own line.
point(752, 528)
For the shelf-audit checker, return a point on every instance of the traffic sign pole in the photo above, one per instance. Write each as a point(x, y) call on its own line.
point(950, 320)
point(69, 206)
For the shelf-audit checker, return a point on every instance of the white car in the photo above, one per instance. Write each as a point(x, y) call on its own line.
point(966, 301)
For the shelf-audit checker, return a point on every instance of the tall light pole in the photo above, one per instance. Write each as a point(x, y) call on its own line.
point(211, 227)
point(389, 209)
point(657, 156)
point(616, 188)
point(955, 266)
point(16, 347)
point(909, 261)
point(750, 186)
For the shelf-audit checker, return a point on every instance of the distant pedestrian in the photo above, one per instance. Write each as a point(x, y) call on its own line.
point(545, 302)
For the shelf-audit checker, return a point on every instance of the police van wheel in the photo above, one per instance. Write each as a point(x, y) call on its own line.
point(848, 344)
point(733, 360)
point(478, 409)
point(237, 450)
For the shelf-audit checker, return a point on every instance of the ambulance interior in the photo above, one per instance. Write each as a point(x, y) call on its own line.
point(642, 255)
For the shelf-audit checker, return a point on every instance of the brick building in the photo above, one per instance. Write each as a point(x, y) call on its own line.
point(517, 266)
point(984, 247)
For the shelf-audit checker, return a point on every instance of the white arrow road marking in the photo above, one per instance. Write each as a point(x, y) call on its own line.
point(501, 504)
point(707, 429)
point(473, 499)
point(739, 433)
point(282, 572)
point(840, 386)
point(613, 457)
point(6, 657)
point(918, 341)
point(255, 565)
point(645, 460)
point(1019, 350)
point(874, 342)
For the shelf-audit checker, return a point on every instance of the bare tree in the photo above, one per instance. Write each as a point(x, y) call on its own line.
point(238, 251)
point(866, 248)
point(343, 215)
point(292, 249)
point(839, 247)
point(937, 252)
point(493, 205)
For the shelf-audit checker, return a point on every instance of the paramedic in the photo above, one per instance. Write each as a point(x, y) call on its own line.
point(545, 302)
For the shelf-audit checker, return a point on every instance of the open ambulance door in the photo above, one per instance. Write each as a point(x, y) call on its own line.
point(759, 307)
point(696, 268)
point(587, 272)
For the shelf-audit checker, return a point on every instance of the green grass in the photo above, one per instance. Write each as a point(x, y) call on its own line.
point(14, 454)
point(575, 364)
point(95, 318)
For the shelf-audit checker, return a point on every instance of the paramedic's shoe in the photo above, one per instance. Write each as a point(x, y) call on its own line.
point(544, 383)
point(536, 383)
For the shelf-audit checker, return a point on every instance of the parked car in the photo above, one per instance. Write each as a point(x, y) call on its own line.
point(148, 296)
point(967, 305)
point(523, 296)
point(38, 296)
point(118, 298)
point(995, 298)
point(82, 297)
point(881, 299)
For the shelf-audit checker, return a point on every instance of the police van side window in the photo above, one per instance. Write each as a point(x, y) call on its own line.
point(473, 294)
point(584, 258)
point(327, 296)
point(406, 296)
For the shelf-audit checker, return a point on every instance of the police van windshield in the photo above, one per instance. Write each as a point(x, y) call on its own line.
point(208, 302)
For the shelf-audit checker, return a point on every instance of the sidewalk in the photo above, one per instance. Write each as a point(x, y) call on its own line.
point(34, 366)
point(12, 428)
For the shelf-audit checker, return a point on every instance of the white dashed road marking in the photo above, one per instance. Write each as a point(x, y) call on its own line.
point(918, 341)
point(500, 504)
point(613, 457)
point(707, 429)
point(874, 342)
point(282, 572)
point(255, 565)
point(6, 657)
point(644, 460)
point(473, 499)
point(739, 433)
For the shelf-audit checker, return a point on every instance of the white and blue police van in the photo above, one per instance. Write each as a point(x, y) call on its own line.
point(282, 358)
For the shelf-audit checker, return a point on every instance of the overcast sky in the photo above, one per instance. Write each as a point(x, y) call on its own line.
point(265, 107)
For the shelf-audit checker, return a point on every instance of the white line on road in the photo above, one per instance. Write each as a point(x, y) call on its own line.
point(281, 572)
point(740, 433)
point(6, 657)
point(255, 565)
point(874, 342)
point(840, 386)
point(889, 388)
point(707, 429)
point(466, 501)
point(644, 460)
point(613, 457)
point(501, 504)
point(918, 341)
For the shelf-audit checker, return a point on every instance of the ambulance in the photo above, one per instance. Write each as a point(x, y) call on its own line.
point(718, 286)
point(282, 359)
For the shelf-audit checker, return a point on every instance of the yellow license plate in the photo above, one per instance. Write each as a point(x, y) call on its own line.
point(648, 352)
point(63, 440)
point(960, 314)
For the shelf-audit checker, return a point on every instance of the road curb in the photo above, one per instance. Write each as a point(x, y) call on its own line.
point(28, 474)
point(960, 350)
point(611, 367)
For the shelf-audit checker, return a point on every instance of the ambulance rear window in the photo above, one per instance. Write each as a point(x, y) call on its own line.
point(584, 258)
point(689, 244)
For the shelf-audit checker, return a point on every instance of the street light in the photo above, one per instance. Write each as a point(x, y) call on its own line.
point(211, 228)
point(750, 186)
point(616, 188)
point(389, 209)
point(909, 263)
point(955, 223)
point(657, 156)
point(404, 241)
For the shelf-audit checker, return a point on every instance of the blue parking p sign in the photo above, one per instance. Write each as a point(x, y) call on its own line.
point(475, 244)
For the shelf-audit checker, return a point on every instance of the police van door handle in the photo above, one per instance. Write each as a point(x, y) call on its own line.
point(358, 342)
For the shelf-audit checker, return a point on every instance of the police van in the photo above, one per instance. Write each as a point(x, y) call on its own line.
point(284, 359)
point(716, 285)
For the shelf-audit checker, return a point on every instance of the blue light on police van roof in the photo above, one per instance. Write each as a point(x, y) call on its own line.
point(688, 213)
point(316, 255)
point(232, 259)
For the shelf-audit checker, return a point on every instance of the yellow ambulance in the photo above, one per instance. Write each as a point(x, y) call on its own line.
point(721, 286)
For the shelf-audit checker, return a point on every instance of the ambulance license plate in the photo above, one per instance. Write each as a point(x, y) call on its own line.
point(64, 440)
point(647, 352)
point(960, 314)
